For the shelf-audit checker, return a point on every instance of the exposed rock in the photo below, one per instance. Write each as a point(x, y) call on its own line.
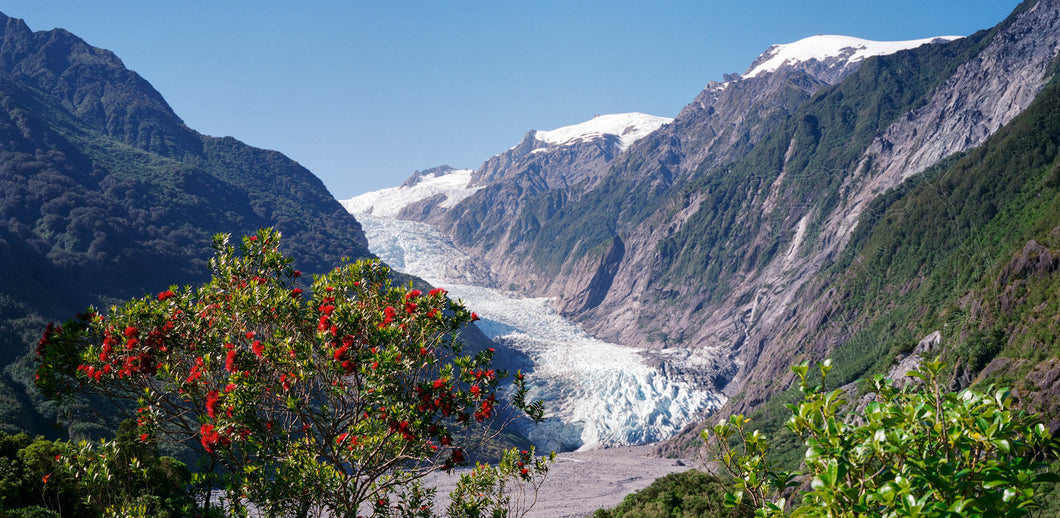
point(925, 348)
point(984, 93)
point(1042, 392)
point(1034, 260)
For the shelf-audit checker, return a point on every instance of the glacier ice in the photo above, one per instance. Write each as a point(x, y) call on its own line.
point(596, 394)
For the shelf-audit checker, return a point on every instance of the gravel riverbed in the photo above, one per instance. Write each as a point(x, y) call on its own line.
point(579, 483)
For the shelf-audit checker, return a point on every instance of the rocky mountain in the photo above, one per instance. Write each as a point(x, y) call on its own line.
point(741, 230)
point(106, 194)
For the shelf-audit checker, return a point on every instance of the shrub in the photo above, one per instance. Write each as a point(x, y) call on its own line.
point(914, 450)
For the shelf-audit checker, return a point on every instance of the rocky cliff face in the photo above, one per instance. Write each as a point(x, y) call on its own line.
point(985, 92)
point(537, 185)
point(749, 310)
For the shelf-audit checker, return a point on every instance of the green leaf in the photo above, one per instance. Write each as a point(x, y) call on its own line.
point(1003, 445)
point(1046, 477)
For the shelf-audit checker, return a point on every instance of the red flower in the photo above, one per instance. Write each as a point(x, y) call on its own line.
point(410, 307)
point(211, 404)
point(210, 438)
point(413, 294)
point(230, 387)
point(297, 292)
point(475, 390)
point(166, 295)
point(230, 361)
point(388, 314)
point(437, 291)
point(297, 273)
point(143, 437)
point(340, 352)
point(196, 371)
point(438, 383)
point(474, 316)
point(130, 332)
point(258, 349)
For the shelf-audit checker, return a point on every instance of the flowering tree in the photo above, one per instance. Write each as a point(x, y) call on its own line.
point(322, 400)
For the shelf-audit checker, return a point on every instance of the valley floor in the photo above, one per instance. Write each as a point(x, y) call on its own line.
point(581, 482)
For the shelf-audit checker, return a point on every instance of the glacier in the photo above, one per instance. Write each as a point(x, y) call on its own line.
point(389, 202)
point(597, 394)
point(628, 127)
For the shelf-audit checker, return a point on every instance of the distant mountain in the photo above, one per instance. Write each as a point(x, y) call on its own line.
point(106, 194)
point(770, 221)
point(830, 56)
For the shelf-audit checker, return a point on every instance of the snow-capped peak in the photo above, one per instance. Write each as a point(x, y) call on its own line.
point(628, 127)
point(822, 47)
point(453, 184)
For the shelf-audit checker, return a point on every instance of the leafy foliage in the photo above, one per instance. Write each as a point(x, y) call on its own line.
point(914, 450)
point(121, 477)
point(325, 402)
point(507, 489)
point(689, 494)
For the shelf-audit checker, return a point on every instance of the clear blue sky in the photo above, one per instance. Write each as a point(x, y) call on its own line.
point(365, 92)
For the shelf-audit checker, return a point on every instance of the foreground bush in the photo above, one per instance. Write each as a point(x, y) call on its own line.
point(121, 477)
point(689, 494)
point(914, 450)
point(328, 400)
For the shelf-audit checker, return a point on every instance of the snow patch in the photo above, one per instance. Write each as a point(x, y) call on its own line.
point(389, 202)
point(822, 47)
point(628, 127)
